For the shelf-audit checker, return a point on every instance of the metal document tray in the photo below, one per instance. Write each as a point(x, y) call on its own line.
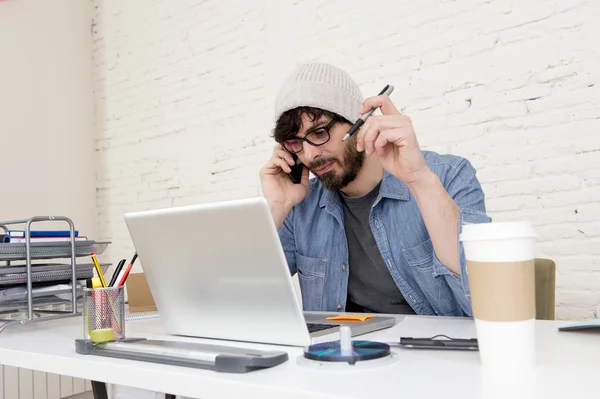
point(50, 250)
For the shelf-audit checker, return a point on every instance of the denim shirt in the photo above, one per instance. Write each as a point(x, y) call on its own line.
point(315, 245)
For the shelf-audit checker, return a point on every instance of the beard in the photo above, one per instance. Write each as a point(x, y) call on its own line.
point(353, 161)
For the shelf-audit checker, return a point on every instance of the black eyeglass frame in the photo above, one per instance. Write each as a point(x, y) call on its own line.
point(327, 128)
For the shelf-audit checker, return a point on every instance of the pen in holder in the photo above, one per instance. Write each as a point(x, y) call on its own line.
point(104, 314)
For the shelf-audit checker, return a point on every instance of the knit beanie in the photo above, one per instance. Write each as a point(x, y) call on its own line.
point(321, 86)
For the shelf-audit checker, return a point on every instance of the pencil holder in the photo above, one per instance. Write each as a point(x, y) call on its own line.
point(104, 314)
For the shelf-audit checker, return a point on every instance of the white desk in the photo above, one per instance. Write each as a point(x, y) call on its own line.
point(568, 365)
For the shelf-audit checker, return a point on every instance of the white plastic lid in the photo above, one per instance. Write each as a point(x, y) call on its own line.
point(496, 231)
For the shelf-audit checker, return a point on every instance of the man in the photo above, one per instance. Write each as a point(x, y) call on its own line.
point(377, 230)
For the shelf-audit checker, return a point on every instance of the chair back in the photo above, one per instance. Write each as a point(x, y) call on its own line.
point(545, 287)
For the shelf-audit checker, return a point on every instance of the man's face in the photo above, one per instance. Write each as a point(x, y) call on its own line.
point(335, 163)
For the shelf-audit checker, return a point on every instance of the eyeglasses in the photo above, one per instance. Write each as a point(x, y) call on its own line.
point(316, 137)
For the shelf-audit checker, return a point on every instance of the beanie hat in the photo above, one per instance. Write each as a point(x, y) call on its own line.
point(321, 86)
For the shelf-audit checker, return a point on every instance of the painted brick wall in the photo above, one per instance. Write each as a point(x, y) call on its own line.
point(184, 93)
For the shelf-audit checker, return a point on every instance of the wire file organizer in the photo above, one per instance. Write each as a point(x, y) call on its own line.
point(28, 306)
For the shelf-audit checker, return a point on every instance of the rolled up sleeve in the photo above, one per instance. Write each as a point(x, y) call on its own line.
point(464, 188)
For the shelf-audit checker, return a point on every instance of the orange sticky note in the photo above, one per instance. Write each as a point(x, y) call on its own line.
point(350, 317)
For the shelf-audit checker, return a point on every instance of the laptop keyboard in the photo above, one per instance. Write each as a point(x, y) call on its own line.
point(314, 327)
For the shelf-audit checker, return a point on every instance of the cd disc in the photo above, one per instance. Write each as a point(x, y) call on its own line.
point(361, 350)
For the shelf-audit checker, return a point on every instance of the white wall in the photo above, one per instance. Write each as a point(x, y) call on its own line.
point(184, 93)
point(45, 137)
point(46, 112)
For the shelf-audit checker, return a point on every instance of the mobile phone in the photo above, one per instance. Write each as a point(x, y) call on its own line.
point(431, 343)
point(296, 174)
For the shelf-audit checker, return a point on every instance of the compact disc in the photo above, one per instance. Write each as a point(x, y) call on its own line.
point(361, 350)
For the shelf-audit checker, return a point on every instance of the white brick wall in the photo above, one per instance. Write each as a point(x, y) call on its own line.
point(184, 93)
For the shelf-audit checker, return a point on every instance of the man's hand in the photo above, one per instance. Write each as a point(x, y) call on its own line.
point(279, 190)
point(392, 138)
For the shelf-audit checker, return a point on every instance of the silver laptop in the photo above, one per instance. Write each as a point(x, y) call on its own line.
point(218, 271)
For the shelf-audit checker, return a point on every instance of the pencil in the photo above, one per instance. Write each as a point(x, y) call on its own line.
point(98, 270)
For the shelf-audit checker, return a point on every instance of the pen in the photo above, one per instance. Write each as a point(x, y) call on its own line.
point(127, 270)
point(113, 279)
point(122, 270)
point(98, 270)
point(387, 90)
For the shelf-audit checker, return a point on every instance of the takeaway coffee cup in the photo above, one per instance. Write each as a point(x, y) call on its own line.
point(500, 266)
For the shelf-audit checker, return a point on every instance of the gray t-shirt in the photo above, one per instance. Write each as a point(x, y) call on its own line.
point(371, 288)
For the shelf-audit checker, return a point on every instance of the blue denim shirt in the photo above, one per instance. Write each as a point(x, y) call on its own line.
point(315, 246)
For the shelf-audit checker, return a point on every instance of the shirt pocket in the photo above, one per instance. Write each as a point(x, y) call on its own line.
point(420, 260)
point(311, 276)
point(421, 256)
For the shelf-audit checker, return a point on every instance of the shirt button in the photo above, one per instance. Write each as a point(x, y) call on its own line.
point(344, 267)
point(339, 307)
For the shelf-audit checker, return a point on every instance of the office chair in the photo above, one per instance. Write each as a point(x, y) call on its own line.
point(545, 287)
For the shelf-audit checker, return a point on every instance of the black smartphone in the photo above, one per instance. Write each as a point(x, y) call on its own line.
point(296, 174)
point(430, 343)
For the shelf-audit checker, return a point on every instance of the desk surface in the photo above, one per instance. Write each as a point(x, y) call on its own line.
point(568, 363)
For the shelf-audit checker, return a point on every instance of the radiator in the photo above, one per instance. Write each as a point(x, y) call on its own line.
point(17, 383)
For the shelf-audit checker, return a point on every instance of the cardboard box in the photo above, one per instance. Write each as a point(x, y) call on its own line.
point(138, 294)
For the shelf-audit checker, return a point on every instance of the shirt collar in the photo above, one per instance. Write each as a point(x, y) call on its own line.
point(391, 187)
